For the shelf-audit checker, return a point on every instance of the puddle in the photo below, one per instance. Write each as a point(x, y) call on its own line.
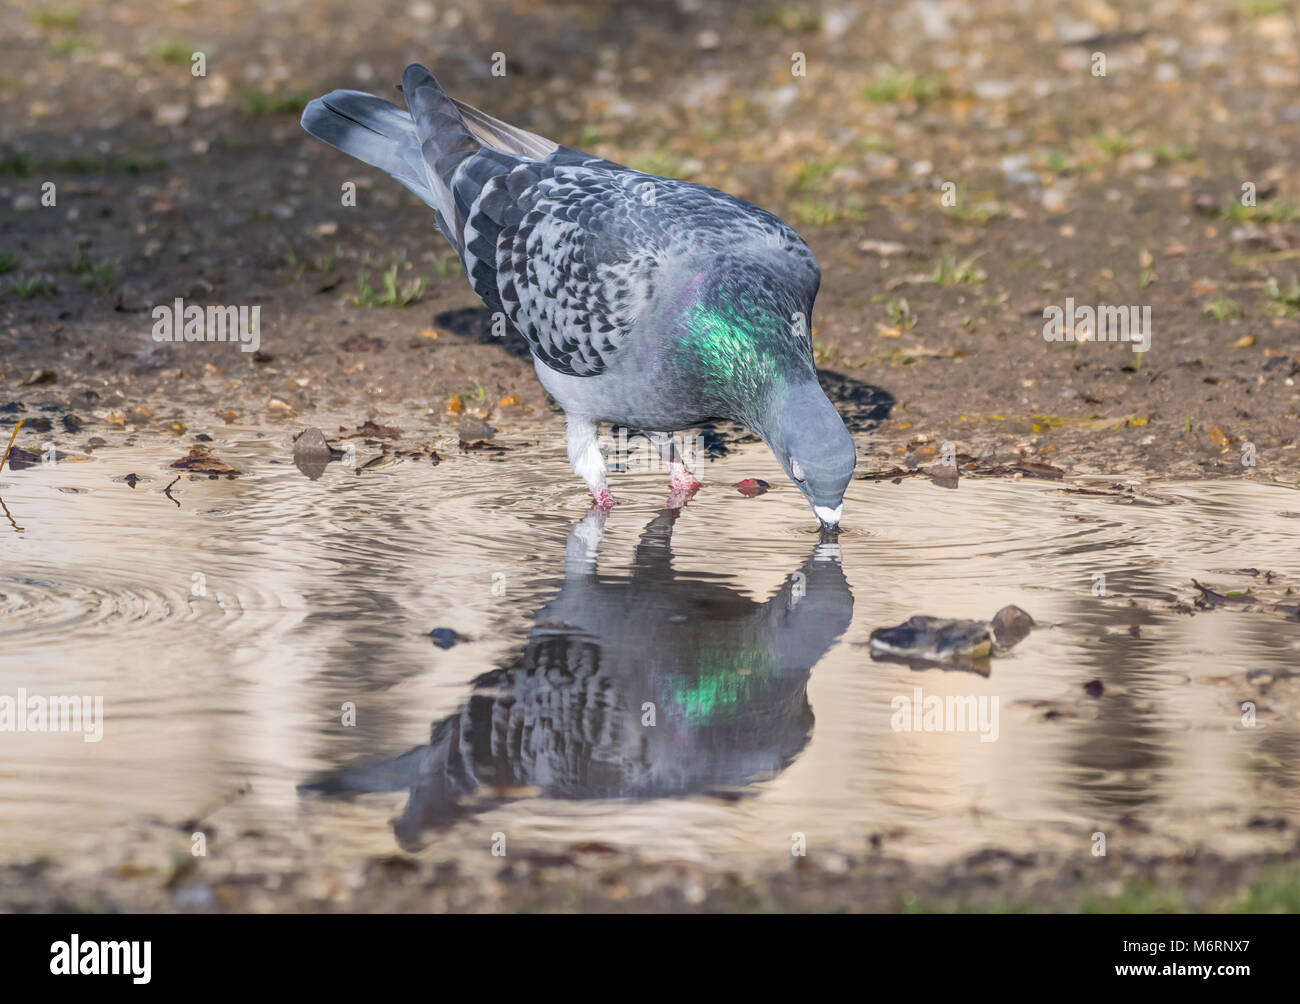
point(230, 627)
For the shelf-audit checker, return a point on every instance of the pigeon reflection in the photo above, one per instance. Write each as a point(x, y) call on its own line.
point(722, 677)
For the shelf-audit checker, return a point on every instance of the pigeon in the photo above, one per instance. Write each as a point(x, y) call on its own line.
point(649, 302)
point(566, 713)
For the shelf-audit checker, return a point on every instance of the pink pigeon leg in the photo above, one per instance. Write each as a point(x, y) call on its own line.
point(683, 485)
point(681, 478)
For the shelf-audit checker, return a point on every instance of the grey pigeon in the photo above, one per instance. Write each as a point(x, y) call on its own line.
point(648, 302)
point(566, 714)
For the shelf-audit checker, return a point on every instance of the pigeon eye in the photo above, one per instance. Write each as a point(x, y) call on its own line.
point(796, 471)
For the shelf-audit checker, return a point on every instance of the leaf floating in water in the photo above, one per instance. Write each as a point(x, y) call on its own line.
point(968, 465)
point(472, 429)
point(202, 462)
point(1246, 599)
point(1094, 688)
point(379, 463)
point(1033, 469)
point(751, 487)
point(369, 429)
point(893, 474)
point(20, 459)
point(593, 847)
point(950, 643)
point(933, 640)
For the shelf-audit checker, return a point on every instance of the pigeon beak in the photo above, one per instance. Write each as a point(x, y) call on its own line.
point(830, 518)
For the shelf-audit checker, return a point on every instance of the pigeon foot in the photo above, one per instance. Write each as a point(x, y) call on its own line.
point(681, 479)
point(683, 485)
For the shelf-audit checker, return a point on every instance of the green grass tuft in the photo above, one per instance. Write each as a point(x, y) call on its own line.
point(903, 87)
point(31, 287)
point(256, 102)
point(56, 17)
point(390, 294)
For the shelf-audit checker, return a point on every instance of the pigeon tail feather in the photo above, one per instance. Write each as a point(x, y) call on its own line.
point(372, 130)
point(445, 141)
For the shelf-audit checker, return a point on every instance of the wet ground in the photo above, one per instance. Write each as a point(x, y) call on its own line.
point(232, 623)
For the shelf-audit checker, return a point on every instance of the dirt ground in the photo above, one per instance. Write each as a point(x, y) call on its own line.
point(598, 878)
point(957, 168)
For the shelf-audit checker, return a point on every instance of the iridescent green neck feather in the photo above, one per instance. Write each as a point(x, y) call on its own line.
point(743, 345)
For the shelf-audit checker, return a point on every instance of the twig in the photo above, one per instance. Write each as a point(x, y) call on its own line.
point(11, 443)
point(8, 517)
point(168, 491)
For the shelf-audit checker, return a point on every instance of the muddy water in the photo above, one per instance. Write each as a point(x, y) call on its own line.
point(227, 630)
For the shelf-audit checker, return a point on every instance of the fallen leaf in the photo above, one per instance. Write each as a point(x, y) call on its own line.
point(370, 430)
point(883, 248)
point(202, 462)
point(40, 376)
point(361, 342)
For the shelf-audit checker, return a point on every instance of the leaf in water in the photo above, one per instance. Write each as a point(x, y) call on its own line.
point(751, 487)
point(203, 462)
point(371, 430)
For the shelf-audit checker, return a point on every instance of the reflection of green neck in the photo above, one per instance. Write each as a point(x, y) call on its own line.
point(720, 689)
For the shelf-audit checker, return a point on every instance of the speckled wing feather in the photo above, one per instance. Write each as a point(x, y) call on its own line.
point(572, 248)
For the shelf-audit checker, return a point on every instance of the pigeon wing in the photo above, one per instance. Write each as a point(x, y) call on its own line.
point(581, 245)
point(576, 260)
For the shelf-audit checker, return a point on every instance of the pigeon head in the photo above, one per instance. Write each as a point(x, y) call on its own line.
point(809, 439)
point(746, 343)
